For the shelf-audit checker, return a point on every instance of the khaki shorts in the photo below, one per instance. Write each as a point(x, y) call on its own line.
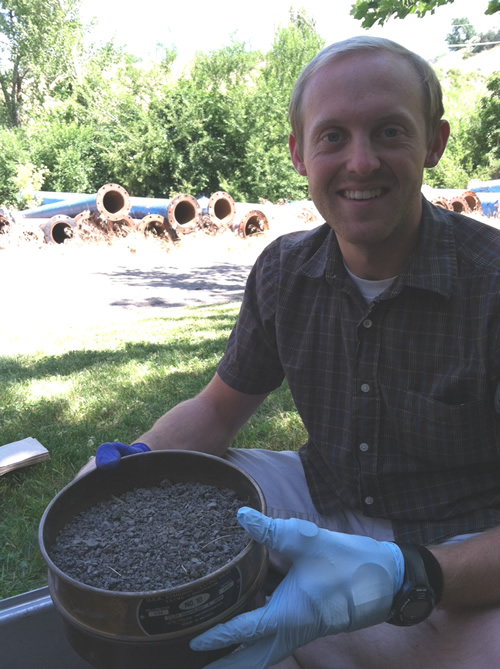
point(281, 477)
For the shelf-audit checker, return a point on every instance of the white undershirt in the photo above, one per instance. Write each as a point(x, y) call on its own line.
point(370, 289)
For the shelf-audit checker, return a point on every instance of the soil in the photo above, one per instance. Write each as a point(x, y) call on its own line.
point(154, 538)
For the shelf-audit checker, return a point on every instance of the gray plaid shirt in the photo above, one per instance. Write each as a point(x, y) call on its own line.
point(398, 397)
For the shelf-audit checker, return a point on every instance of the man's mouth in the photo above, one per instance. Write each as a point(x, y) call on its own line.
point(362, 194)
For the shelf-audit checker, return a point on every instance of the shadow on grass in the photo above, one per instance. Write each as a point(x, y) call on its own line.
point(15, 369)
point(76, 400)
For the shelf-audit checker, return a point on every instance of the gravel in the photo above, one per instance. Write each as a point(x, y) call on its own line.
point(154, 538)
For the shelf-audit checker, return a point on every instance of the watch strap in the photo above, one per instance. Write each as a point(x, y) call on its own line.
point(416, 589)
point(434, 571)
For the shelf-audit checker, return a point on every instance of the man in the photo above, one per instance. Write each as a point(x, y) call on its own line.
point(385, 321)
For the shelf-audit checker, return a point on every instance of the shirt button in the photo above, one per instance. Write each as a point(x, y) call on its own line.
point(363, 447)
point(369, 500)
point(365, 388)
point(367, 323)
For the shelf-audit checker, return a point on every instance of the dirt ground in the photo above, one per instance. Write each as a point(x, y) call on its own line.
point(53, 286)
point(50, 287)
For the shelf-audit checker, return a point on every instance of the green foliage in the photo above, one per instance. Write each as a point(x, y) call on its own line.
point(486, 129)
point(462, 32)
point(493, 6)
point(472, 105)
point(28, 181)
point(13, 153)
point(66, 149)
point(39, 47)
point(460, 95)
point(268, 172)
point(221, 124)
point(205, 118)
point(487, 40)
point(370, 12)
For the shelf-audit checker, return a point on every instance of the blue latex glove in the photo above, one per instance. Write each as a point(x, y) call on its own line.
point(108, 455)
point(337, 583)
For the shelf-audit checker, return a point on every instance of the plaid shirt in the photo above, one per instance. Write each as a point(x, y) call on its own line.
point(398, 397)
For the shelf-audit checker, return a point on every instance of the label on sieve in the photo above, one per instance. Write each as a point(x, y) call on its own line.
point(167, 614)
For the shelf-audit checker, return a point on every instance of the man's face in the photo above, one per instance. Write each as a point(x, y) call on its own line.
point(365, 147)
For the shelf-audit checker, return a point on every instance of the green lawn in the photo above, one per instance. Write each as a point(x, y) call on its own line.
point(77, 389)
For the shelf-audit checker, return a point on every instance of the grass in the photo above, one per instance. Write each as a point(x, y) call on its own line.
point(73, 390)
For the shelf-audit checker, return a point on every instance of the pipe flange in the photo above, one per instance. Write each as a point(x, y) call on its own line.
point(472, 200)
point(441, 202)
point(221, 208)
point(254, 222)
point(113, 202)
point(152, 224)
point(459, 205)
point(5, 224)
point(122, 227)
point(58, 229)
point(183, 213)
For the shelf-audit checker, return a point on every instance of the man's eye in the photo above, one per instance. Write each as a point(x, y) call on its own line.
point(332, 137)
point(391, 132)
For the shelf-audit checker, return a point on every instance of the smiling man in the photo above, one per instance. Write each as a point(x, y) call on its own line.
point(362, 141)
point(385, 323)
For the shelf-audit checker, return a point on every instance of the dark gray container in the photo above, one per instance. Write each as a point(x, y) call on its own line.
point(122, 630)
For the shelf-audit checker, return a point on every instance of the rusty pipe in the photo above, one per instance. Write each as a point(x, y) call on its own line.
point(459, 205)
point(111, 201)
point(183, 213)
point(472, 200)
point(253, 222)
point(154, 225)
point(220, 207)
point(58, 229)
point(442, 202)
point(121, 227)
point(5, 221)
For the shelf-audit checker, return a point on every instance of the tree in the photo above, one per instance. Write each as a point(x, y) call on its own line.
point(486, 128)
point(267, 171)
point(39, 43)
point(370, 12)
point(487, 40)
point(462, 32)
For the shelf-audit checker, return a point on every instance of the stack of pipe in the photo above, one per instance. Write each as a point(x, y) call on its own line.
point(61, 212)
point(472, 200)
point(488, 193)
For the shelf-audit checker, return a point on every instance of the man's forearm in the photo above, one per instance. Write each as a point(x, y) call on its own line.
point(191, 425)
point(208, 422)
point(471, 571)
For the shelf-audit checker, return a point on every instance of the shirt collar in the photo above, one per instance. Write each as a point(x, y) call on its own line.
point(432, 266)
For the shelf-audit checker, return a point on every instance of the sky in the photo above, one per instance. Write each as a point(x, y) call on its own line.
point(192, 25)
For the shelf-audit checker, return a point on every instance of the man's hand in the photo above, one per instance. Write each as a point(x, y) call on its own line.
point(108, 455)
point(337, 583)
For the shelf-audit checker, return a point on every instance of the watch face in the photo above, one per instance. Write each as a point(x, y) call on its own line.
point(413, 605)
point(417, 610)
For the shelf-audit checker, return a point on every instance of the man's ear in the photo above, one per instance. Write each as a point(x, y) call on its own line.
point(297, 161)
point(438, 145)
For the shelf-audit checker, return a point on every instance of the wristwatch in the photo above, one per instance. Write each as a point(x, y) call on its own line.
point(417, 598)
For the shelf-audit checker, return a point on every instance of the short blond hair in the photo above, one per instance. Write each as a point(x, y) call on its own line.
point(431, 88)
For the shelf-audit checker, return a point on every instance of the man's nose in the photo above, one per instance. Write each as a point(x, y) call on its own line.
point(362, 158)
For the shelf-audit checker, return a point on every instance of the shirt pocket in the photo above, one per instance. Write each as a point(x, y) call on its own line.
point(435, 433)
